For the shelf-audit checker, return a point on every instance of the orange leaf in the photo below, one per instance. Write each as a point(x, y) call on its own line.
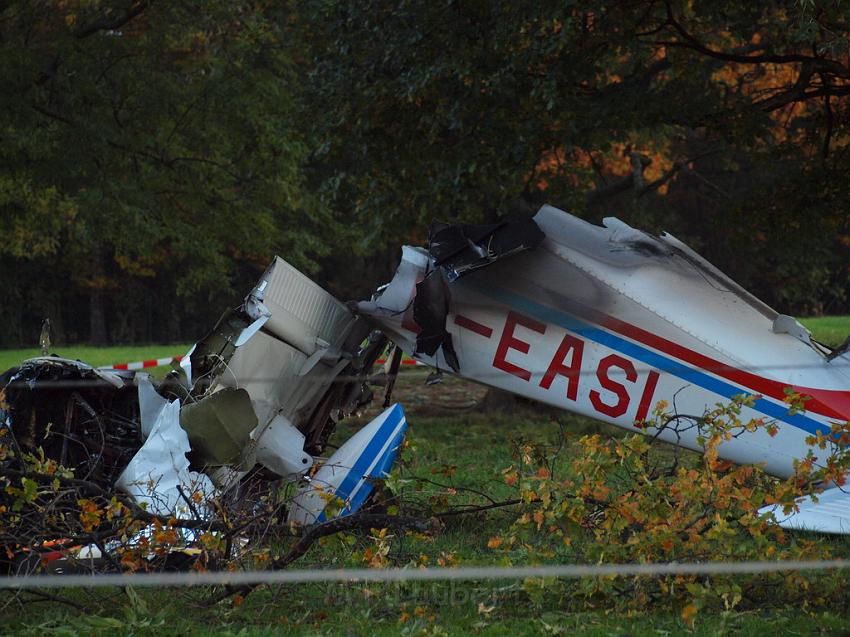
point(689, 614)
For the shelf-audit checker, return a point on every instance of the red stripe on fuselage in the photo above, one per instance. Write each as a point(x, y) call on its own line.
point(831, 403)
point(473, 326)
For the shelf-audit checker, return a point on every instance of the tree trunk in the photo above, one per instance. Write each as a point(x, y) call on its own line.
point(97, 318)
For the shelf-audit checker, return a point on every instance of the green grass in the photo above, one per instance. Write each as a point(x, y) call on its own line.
point(380, 610)
point(96, 356)
point(832, 330)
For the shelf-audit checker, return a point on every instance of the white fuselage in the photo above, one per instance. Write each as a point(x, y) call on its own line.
point(607, 322)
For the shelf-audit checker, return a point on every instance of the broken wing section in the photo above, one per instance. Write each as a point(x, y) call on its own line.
point(158, 476)
point(349, 475)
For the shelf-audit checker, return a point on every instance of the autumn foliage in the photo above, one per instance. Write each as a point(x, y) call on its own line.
point(625, 500)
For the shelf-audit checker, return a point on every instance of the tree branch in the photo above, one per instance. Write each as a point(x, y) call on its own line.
point(692, 43)
point(44, 596)
point(331, 527)
point(667, 176)
point(790, 95)
point(633, 180)
point(478, 509)
point(773, 103)
point(107, 24)
point(90, 488)
point(815, 63)
point(827, 111)
point(53, 115)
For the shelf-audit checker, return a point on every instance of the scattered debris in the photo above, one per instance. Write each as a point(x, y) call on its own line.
point(263, 390)
point(83, 418)
point(347, 478)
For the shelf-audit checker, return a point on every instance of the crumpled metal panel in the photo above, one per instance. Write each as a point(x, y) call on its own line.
point(159, 471)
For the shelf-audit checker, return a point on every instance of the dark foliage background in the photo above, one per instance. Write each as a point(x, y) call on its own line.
point(154, 156)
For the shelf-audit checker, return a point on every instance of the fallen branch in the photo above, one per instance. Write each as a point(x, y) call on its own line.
point(337, 525)
point(44, 596)
point(478, 509)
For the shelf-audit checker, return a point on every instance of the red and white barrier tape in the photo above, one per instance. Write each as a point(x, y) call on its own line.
point(154, 362)
point(407, 361)
point(157, 362)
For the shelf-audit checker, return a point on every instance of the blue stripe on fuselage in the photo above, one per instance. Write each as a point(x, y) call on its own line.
point(638, 352)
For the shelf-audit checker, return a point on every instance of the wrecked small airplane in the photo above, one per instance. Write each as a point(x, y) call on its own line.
point(607, 321)
point(602, 321)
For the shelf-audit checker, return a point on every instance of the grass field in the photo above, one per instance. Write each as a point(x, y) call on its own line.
point(447, 430)
point(480, 446)
point(832, 330)
point(96, 356)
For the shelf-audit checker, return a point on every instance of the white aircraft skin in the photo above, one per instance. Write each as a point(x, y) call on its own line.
point(608, 321)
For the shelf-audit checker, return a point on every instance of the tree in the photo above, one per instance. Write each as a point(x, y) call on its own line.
point(150, 149)
point(724, 123)
point(156, 155)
